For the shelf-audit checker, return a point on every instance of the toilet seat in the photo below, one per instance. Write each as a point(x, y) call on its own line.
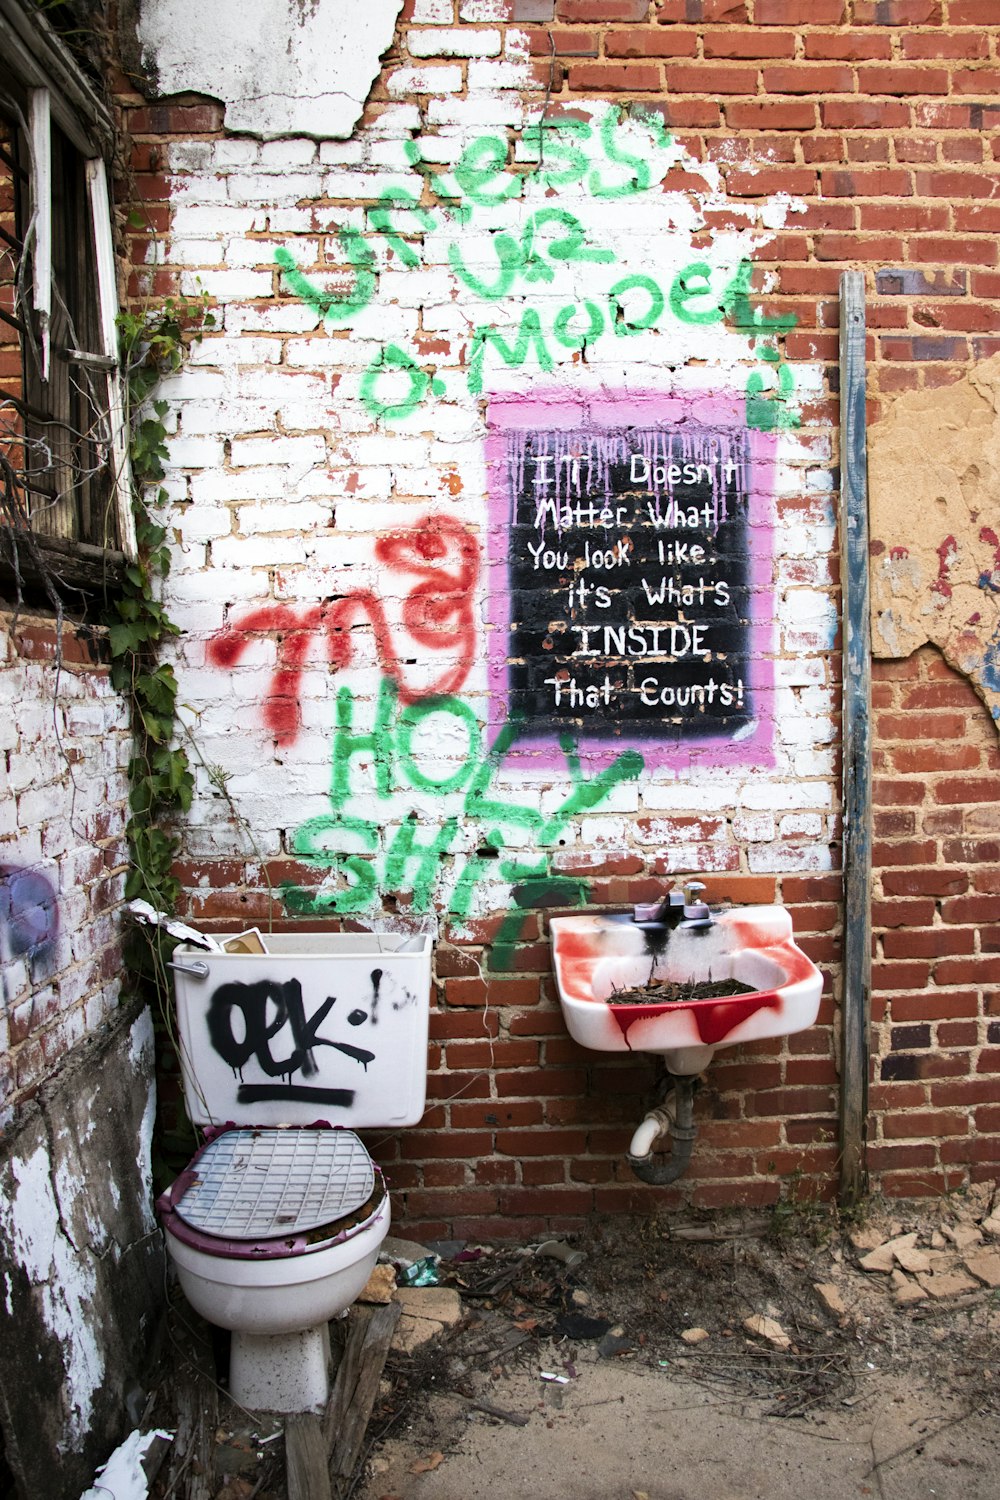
point(270, 1192)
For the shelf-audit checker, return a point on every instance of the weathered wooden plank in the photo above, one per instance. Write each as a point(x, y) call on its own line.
point(306, 1472)
point(155, 1455)
point(356, 1385)
point(857, 739)
point(192, 1456)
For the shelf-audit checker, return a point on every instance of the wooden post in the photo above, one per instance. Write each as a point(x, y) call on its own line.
point(856, 1000)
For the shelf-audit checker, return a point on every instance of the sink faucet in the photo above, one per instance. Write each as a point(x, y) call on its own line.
point(668, 911)
point(678, 908)
point(695, 910)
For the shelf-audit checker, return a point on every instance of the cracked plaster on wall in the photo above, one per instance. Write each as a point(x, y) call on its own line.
point(292, 68)
point(934, 475)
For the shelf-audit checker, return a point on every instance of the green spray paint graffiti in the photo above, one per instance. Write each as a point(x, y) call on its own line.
point(376, 762)
point(571, 153)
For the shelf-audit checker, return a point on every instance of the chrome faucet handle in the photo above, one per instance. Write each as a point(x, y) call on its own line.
point(696, 910)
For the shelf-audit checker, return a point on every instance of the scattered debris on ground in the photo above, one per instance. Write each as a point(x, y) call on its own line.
point(794, 1307)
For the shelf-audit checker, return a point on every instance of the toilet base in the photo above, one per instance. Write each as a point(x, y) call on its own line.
point(284, 1372)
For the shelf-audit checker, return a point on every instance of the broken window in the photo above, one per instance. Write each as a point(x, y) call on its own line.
point(66, 513)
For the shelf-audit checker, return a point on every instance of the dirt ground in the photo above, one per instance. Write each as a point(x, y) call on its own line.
point(562, 1383)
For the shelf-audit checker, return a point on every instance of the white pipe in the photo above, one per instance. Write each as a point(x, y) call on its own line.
point(657, 1124)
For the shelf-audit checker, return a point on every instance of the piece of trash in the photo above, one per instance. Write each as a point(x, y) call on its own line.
point(448, 1250)
point(571, 1369)
point(148, 916)
point(559, 1250)
point(245, 942)
point(578, 1326)
point(421, 1273)
point(427, 1465)
point(614, 1344)
point(466, 1255)
point(123, 1474)
point(550, 1375)
point(664, 1364)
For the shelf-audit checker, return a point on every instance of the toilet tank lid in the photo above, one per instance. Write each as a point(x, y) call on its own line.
point(255, 1183)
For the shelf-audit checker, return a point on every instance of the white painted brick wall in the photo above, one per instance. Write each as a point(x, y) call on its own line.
point(284, 479)
point(62, 820)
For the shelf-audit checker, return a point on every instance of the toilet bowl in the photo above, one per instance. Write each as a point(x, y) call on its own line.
point(276, 1295)
point(275, 1225)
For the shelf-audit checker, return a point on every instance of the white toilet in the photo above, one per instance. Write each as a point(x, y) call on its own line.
point(276, 1223)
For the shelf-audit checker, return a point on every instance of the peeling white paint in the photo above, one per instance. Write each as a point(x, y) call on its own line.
point(280, 68)
point(64, 1283)
point(141, 1057)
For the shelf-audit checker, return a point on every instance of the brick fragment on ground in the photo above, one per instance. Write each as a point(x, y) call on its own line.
point(884, 1257)
point(944, 1284)
point(427, 1312)
point(829, 1294)
point(413, 1333)
point(865, 1239)
point(439, 1302)
point(767, 1328)
point(912, 1259)
point(985, 1266)
point(380, 1286)
point(962, 1236)
point(905, 1291)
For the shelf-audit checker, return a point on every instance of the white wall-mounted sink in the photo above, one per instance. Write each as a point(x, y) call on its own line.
point(596, 956)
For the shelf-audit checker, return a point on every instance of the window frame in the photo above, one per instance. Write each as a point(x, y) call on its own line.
point(59, 97)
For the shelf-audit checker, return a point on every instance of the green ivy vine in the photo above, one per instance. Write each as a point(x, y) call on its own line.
point(153, 344)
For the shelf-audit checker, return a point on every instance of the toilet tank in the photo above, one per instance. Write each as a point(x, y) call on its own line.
point(324, 1026)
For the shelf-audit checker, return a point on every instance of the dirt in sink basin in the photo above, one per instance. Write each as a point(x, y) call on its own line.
point(669, 992)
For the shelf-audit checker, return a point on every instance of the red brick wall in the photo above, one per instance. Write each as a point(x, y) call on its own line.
point(936, 924)
point(882, 117)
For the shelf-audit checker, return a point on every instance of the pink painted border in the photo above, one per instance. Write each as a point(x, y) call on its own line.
point(552, 410)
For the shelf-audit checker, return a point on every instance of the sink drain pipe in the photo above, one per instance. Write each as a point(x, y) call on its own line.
point(673, 1118)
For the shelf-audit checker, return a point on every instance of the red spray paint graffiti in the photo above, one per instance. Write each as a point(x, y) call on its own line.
point(437, 614)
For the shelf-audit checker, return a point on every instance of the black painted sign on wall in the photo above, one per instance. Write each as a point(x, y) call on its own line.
point(629, 582)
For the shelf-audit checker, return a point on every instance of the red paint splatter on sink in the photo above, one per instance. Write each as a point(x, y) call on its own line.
point(577, 953)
